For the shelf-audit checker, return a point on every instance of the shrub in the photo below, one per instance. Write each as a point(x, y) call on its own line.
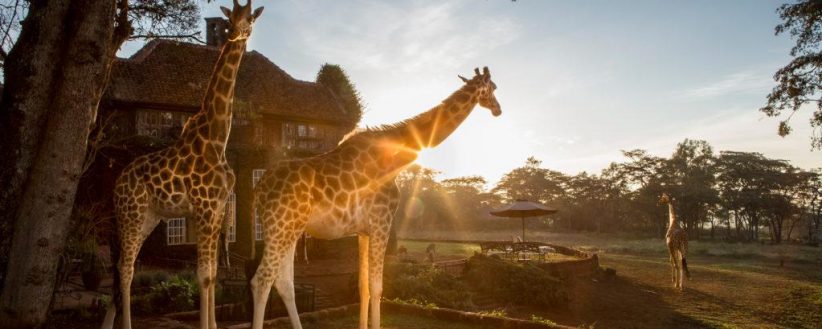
point(426, 285)
point(148, 279)
point(166, 295)
point(520, 283)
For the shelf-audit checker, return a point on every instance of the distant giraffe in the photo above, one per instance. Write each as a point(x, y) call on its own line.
point(188, 179)
point(677, 241)
point(350, 190)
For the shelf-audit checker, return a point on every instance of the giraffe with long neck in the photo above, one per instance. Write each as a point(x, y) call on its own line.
point(676, 239)
point(350, 190)
point(189, 179)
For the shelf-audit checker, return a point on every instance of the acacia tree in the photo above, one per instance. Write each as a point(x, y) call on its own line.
point(530, 182)
point(691, 173)
point(800, 81)
point(54, 78)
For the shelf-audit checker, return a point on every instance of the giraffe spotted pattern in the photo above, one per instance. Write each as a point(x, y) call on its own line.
point(350, 190)
point(676, 239)
point(189, 179)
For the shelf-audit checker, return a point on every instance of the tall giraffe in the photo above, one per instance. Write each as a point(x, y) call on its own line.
point(350, 190)
point(677, 241)
point(188, 179)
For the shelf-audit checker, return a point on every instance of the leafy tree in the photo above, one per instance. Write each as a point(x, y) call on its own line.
point(466, 198)
point(530, 182)
point(800, 81)
point(334, 78)
point(754, 190)
point(691, 170)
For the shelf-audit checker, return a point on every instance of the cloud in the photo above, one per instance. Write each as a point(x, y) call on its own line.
point(745, 82)
point(404, 37)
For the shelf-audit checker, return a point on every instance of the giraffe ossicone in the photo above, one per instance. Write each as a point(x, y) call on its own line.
point(189, 179)
point(350, 190)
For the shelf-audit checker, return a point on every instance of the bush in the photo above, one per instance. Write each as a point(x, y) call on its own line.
point(520, 283)
point(175, 294)
point(143, 281)
point(425, 284)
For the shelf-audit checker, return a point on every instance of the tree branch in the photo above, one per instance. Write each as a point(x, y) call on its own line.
point(192, 36)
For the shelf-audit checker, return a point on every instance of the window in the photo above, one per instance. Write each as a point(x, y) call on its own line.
point(231, 216)
point(160, 124)
point(175, 231)
point(303, 136)
point(256, 175)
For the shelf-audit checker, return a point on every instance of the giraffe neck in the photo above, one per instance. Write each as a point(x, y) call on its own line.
point(217, 104)
point(672, 221)
point(434, 126)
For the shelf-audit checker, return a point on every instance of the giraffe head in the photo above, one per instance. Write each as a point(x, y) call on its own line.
point(485, 90)
point(665, 199)
point(240, 20)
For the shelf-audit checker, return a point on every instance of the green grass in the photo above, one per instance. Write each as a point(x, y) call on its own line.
point(443, 248)
point(610, 243)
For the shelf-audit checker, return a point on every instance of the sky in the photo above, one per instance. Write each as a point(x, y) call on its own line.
point(578, 81)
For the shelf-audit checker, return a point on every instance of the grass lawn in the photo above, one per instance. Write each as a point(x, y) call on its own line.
point(443, 248)
point(733, 285)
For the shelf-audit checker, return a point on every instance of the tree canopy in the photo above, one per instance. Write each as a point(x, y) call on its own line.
point(800, 81)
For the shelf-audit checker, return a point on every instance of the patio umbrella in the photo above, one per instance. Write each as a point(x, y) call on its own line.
point(523, 209)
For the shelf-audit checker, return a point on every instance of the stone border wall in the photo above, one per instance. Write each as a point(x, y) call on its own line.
point(414, 310)
point(585, 266)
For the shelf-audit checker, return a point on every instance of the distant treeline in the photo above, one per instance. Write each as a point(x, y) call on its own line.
point(738, 196)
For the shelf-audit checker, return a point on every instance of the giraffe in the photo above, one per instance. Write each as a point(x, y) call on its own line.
point(677, 241)
point(350, 190)
point(188, 179)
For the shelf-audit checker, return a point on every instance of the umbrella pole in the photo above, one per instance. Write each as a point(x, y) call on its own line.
point(523, 229)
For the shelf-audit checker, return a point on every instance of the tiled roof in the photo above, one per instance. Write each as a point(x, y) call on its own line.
point(175, 74)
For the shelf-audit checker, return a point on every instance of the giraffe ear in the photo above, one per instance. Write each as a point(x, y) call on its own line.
point(257, 12)
point(463, 78)
point(226, 12)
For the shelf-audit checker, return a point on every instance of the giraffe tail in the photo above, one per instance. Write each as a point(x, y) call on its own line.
point(684, 262)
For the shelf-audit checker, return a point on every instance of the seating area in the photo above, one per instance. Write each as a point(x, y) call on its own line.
point(517, 251)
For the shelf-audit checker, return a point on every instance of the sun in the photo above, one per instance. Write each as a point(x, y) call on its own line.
point(426, 157)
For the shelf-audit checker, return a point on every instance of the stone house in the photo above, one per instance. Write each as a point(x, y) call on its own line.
point(153, 92)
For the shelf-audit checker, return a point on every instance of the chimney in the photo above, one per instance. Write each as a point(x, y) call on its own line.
point(216, 31)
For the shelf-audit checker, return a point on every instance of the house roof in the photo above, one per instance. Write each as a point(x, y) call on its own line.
point(175, 74)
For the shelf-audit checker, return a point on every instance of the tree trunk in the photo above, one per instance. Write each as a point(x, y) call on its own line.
point(45, 208)
point(29, 70)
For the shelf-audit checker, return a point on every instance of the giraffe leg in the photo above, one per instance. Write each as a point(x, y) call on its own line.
point(126, 266)
point(206, 270)
point(364, 246)
point(285, 286)
point(130, 242)
point(378, 244)
point(260, 288)
point(677, 271)
point(212, 307)
point(672, 256)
